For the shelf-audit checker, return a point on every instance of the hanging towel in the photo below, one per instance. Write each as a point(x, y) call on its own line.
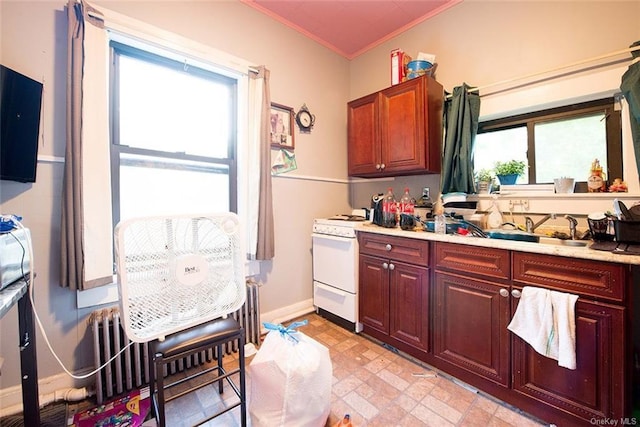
point(546, 320)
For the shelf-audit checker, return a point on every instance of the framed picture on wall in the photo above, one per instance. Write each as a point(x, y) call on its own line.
point(282, 126)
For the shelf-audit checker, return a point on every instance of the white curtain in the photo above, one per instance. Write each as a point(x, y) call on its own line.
point(87, 254)
point(87, 225)
point(260, 243)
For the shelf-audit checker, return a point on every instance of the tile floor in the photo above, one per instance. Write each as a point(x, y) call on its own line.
point(377, 387)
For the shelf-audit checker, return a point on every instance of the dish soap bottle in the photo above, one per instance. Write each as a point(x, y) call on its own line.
point(495, 216)
point(596, 183)
point(440, 222)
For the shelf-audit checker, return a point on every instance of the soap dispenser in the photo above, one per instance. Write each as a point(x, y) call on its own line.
point(495, 219)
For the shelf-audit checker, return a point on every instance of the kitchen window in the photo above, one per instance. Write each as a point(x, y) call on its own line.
point(173, 130)
point(556, 142)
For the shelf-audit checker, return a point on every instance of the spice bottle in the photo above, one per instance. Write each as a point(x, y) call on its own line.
point(596, 182)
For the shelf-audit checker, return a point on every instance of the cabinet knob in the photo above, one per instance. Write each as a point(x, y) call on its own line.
point(516, 293)
point(378, 166)
point(504, 293)
point(388, 247)
point(382, 166)
point(391, 266)
point(385, 265)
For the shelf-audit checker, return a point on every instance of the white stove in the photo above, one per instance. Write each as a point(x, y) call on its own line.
point(335, 269)
point(339, 225)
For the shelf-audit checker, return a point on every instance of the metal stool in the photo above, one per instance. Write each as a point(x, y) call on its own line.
point(190, 341)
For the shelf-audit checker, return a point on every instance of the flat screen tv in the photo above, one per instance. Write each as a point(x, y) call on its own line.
point(20, 106)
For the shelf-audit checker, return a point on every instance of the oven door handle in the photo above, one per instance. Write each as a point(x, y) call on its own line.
point(332, 289)
point(329, 237)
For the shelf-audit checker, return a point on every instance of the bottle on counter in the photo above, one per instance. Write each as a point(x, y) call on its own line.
point(440, 222)
point(407, 211)
point(596, 183)
point(389, 209)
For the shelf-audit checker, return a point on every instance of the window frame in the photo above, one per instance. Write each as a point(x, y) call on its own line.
point(529, 120)
point(118, 49)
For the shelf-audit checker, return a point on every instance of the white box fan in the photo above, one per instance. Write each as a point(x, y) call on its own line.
point(175, 272)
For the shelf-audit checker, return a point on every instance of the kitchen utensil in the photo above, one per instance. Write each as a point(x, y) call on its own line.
point(461, 208)
point(621, 210)
point(407, 221)
point(635, 212)
point(599, 226)
point(627, 213)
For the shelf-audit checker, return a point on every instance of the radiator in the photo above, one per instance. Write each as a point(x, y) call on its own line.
point(130, 369)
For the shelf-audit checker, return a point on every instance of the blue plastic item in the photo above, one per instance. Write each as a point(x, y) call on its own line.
point(9, 222)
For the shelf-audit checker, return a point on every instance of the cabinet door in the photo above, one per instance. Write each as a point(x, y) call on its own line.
point(373, 295)
point(402, 127)
point(364, 136)
point(470, 330)
point(595, 389)
point(409, 304)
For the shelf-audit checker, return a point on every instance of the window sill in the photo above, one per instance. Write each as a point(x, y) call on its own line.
point(549, 195)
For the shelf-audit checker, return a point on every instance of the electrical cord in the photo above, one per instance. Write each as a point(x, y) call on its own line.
point(29, 279)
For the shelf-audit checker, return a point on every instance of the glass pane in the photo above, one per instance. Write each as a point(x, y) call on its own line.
point(153, 186)
point(169, 110)
point(501, 146)
point(566, 148)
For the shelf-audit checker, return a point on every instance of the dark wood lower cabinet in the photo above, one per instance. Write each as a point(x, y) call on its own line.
point(470, 326)
point(394, 292)
point(409, 305)
point(594, 390)
point(468, 295)
point(374, 294)
point(395, 306)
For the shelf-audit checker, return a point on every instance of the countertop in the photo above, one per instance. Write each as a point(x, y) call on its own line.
point(583, 252)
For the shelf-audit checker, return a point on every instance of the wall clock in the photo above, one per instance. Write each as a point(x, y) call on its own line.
point(305, 119)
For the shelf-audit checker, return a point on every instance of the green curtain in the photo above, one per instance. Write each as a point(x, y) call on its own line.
point(461, 114)
point(630, 88)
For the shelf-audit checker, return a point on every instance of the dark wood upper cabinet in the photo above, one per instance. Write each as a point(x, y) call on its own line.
point(396, 131)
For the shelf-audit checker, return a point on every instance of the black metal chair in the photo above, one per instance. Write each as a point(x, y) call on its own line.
point(179, 277)
point(213, 334)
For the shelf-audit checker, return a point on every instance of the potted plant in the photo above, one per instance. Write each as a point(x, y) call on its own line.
point(508, 172)
point(484, 178)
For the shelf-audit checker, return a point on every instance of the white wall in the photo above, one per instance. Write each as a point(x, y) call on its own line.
point(33, 41)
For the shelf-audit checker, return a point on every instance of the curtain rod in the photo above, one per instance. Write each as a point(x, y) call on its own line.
point(584, 61)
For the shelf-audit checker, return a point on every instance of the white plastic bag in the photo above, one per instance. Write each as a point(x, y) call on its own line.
point(291, 378)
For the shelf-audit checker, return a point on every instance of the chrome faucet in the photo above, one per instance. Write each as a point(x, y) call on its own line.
point(531, 227)
point(572, 226)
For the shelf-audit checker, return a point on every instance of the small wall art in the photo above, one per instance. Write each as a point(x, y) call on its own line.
point(282, 126)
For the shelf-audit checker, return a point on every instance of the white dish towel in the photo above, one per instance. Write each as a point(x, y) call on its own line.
point(546, 320)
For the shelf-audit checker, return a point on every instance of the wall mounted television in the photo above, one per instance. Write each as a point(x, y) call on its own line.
point(20, 107)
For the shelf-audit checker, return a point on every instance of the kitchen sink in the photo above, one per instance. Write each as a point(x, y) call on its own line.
point(523, 236)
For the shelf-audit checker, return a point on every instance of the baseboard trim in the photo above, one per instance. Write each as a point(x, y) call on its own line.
point(12, 396)
point(284, 314)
